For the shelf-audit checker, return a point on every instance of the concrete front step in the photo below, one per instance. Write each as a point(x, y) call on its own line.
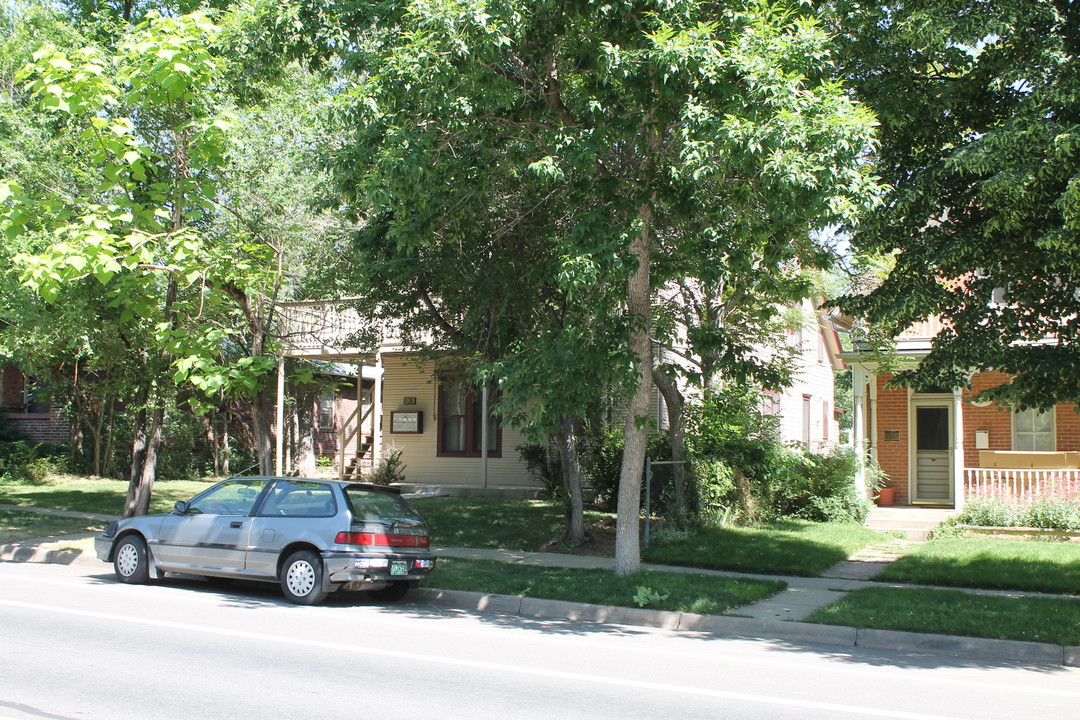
point(915, 522)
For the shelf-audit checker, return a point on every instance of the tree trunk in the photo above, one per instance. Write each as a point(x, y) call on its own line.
point(675, 403)
point(571, 468)
point(260, 422)
point(639, 306)
point(144, 455)
point(305, 434)
point(226, 449)
point(110, 436)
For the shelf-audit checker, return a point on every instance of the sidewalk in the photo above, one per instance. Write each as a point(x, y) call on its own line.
point(775, 618)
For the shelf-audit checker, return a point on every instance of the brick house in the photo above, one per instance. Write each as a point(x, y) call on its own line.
point(937, 446)
point(38, 417)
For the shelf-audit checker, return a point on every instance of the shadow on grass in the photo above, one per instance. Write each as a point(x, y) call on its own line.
point(495, 523)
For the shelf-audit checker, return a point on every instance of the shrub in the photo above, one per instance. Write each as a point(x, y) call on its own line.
point(543, 463)
point(1054, 508)
point(390, 469)
point(712, 491)
point(822, 488)
point(738, 462)
point(32, 463)
point(10, 432)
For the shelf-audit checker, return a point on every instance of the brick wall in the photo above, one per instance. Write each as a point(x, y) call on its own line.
point(48, 427)
point(892, 423)
point(11, 396)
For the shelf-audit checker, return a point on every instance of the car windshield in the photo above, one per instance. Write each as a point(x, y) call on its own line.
point(232, 497)
point(382, 507)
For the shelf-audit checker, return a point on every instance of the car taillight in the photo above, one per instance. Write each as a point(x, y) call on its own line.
point(381, 539)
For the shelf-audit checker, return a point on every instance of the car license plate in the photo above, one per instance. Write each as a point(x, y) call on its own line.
point(399, 567)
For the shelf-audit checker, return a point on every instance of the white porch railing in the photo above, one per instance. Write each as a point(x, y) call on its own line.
point(1020, 483)
point(309, 325)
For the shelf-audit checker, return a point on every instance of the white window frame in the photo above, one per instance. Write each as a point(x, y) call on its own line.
point(1052, 432)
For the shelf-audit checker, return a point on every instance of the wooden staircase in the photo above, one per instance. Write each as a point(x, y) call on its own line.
point(361, 462)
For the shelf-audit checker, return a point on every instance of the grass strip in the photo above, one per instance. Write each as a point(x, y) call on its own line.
point(96, 495)
point(1034, 566)
point(496, 523)
point(790, 547)
point(673, 591)
point(953, 612)
point(17, 525)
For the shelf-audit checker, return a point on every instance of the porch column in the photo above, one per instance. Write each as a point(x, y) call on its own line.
point(377, 410)
point(958, 449)
point(872, 417)
point(858, 425)
point(279, 434)
point(484, 436)
point(359, 413)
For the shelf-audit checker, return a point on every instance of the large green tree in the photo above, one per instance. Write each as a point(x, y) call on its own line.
point(186, 279)
point(656, 119)
point(979, 104)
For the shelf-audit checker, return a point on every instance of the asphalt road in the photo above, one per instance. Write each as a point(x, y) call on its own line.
point(76, 644)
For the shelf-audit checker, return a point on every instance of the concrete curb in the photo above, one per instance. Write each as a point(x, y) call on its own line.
point(35, 554)
point(843, 636)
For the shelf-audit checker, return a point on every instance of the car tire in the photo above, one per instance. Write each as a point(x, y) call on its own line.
point(131, 560)
point(391, 593)
point(302, 578)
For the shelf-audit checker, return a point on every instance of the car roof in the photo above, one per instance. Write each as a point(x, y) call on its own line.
point(343, 484)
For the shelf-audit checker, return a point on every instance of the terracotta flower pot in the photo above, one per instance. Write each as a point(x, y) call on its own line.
point(886, 496)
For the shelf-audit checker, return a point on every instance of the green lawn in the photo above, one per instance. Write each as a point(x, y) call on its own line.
point(952, 612)
point(1035, 566)
point(495, 523)
point(96, 495)
point(16, 526)
point(790, 547)
point(685, 592)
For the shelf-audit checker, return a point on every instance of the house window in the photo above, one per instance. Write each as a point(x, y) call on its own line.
point(326, 410)
point(1033, 430)
point(770, 403)
point(36, 396)
point(806, 420)
point(460, 421)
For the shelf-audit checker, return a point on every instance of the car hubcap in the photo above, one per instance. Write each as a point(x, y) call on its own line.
point(127, 560)
point(300, 578)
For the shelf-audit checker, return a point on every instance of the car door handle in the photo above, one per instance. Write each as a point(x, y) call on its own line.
point(236, 524)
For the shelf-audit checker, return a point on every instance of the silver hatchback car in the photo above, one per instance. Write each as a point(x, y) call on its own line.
point(313, 537)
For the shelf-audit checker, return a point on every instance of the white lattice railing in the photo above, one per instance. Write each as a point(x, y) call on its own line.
point(307, 325)
point(1020, 483)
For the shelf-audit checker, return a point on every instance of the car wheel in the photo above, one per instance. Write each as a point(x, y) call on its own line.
point(391, 593)
point(302, 578)
point(131, 560)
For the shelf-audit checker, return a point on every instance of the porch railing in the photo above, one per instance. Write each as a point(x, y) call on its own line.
point(1020, 483)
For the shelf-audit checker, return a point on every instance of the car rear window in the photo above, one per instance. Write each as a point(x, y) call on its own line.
point(299, 498)
point(376, 506)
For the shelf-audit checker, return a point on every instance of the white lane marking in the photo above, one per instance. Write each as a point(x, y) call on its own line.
point(814, 664)
point(489, 666)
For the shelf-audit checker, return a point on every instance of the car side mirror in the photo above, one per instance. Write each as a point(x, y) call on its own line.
point(180, 507)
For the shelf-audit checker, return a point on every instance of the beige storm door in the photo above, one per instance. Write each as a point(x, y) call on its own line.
point(933, 466)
